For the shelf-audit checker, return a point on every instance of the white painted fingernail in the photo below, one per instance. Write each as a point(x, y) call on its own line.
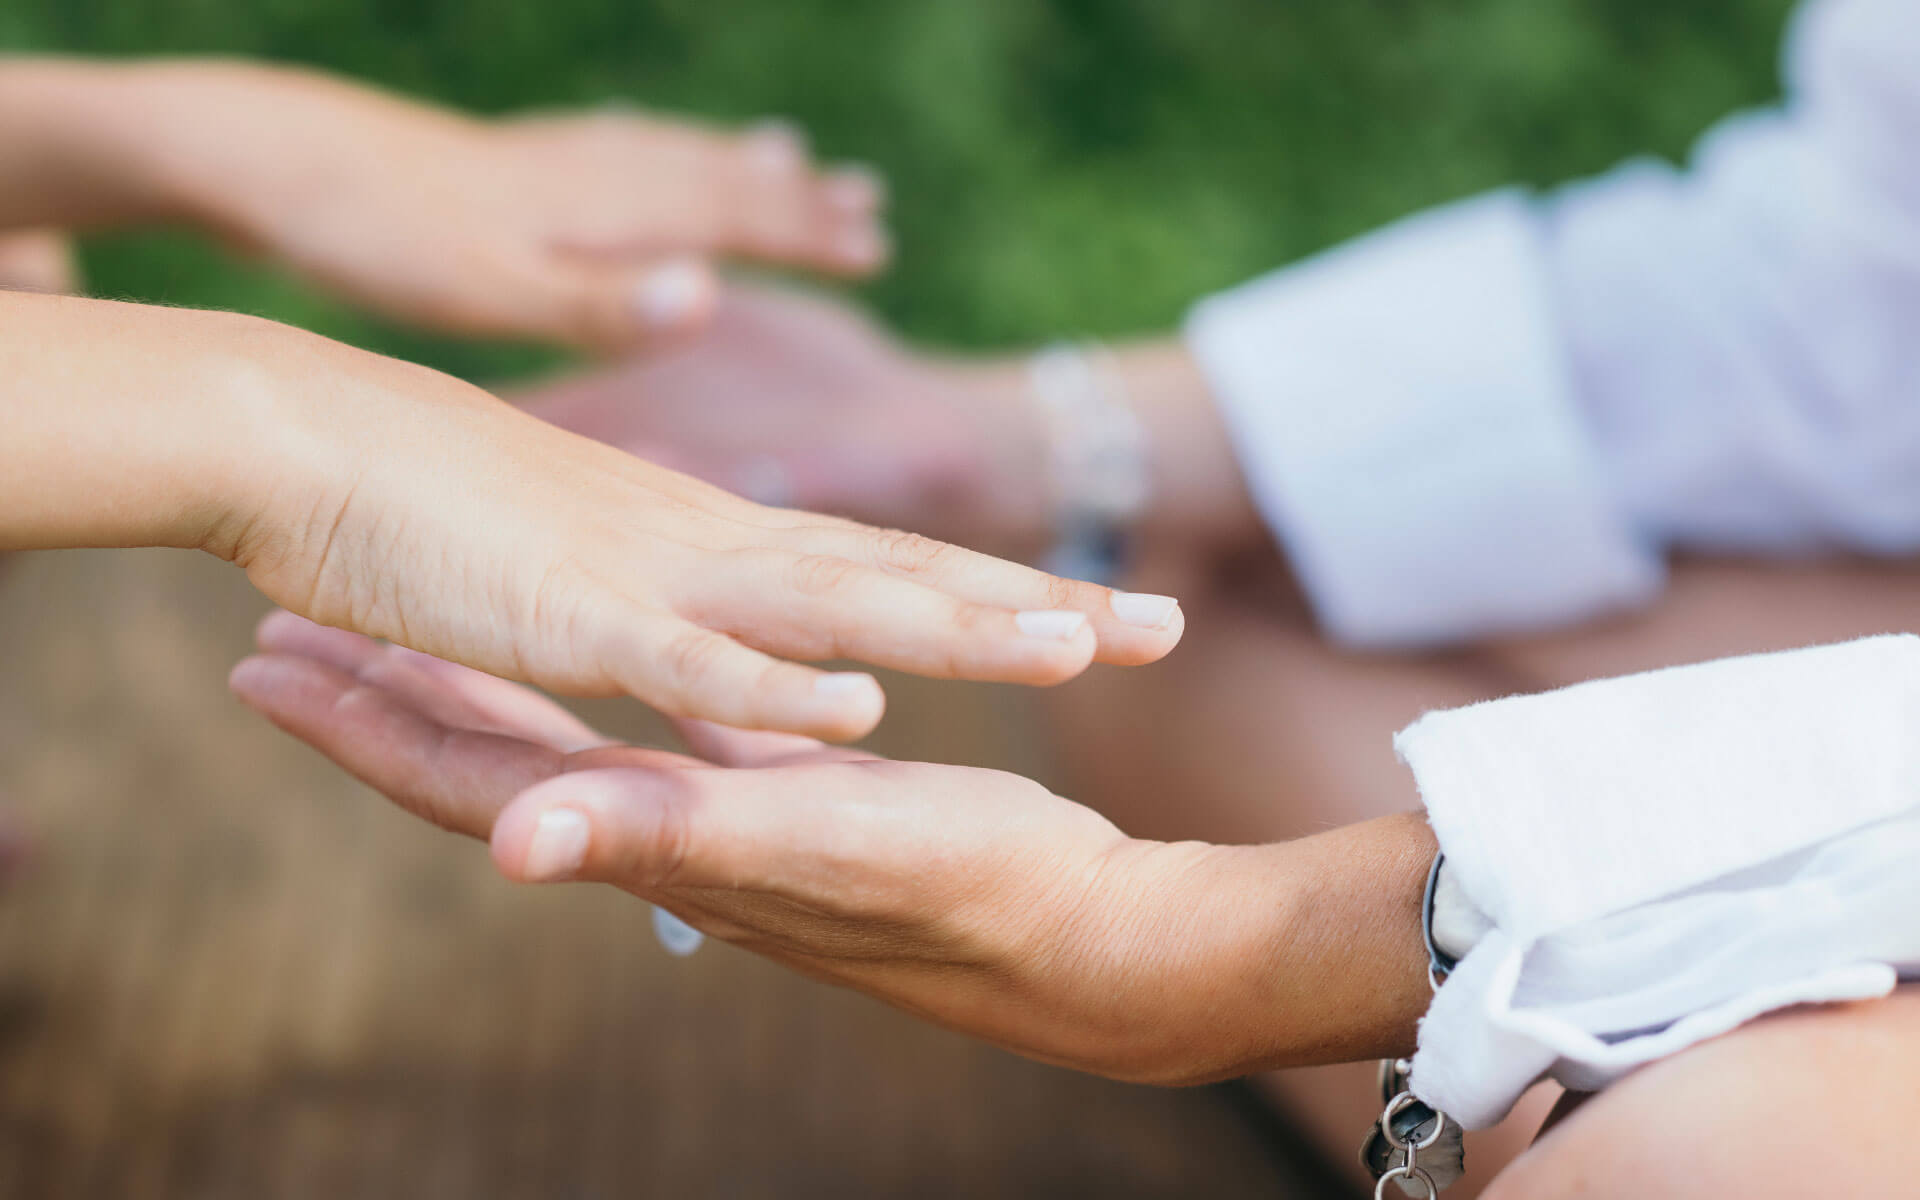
point(776, 145)
point(839, 684)
point(856, 188)
point(559, 845)
point(1144, 609)
point(863, 247)
point(668, 295)
point(1058, 624)
point(679, 938)
point(765, 481)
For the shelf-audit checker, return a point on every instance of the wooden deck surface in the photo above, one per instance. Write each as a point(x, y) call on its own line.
point(232, 972)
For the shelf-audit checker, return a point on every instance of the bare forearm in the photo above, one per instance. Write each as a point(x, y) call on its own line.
point(1197, 490)
point(1196, 496)
point(90, 143)
point(1313, 948)
point(83, 144)
point(126, 425)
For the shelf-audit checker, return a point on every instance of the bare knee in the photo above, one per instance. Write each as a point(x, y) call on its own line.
point(1812, 1102)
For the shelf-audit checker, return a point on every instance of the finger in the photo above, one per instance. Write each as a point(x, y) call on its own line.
point(451, 694)
point(490, 702)
point(821, 606)
point(772, 205)
point(689, 671)
point(792, 832)
point(729, 747)
point(611, 307)
point(283, 632)
point(1130, 628)
point(456, 778)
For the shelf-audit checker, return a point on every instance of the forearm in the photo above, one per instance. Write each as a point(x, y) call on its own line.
point(1225, 960)
point(92, 143)
point(1196, 495)
point(83, 144)
point(1328, 961)
point(130, 425)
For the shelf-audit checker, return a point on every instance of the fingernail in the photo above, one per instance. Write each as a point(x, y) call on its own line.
point(777, 145)
point(856, 188)
point(679, 938)
point(559, 845)
point(1058, 624)
point(863, 247)
point(668, 295)
point(1144, 609)
point(763, 480)
point(840, 684)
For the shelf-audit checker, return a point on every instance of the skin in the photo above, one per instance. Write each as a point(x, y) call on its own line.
point(588, 229)
point(1261, 731)
point(983, 903)
point(800, 400)
point(973, 898)
point(394, 500)
point(387, 498)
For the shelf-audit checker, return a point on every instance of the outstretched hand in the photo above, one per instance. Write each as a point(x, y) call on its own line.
point(973, 898)
point(592, 229)
point(799, 400)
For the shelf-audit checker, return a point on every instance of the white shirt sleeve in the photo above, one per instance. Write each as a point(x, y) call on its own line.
point(1497, 415)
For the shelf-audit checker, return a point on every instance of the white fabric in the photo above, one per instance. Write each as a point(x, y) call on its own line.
point(1664, 856)
point(1494, 416)
point(1420, 416)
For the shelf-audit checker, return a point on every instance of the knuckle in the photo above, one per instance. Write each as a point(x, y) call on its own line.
point(972, 618)
point(910, 553)
point(692, 656)
point(671, 846)
point(821, 574)
point(1063, 593)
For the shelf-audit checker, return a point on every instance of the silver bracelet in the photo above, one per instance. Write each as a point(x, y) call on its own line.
point(1411, 1143)
point(1096, 458)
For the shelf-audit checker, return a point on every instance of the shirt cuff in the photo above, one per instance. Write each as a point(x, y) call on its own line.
point(1402, 412)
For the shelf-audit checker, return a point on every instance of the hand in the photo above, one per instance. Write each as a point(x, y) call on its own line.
point(973, 898)
point(375, 495)
point(435, 515)
point(589, 229)
point(797, 400)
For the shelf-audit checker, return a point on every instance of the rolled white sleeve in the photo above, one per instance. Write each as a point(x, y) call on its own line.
point(1498, 415)
point(1404, 413)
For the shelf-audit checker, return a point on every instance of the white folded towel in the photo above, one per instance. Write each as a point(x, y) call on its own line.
point(1664, 856)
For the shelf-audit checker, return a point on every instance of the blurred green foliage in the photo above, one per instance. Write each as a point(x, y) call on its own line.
point(1056, 165)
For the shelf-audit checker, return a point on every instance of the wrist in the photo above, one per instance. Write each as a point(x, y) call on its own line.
point(81, 141)
point(1196, 494)
point(203, 140)
point(1258, 957)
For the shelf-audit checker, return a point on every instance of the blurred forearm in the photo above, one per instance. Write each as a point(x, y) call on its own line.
point(82, 145)
point(1197, 492)
point(1196, 499)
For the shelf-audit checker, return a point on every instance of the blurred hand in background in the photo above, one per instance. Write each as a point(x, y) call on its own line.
point(592, 229)
point(800, 400)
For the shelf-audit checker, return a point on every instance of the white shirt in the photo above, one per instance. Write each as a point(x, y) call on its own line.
point(1498, 415)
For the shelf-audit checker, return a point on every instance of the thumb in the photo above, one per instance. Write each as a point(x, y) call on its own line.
point(783, 831)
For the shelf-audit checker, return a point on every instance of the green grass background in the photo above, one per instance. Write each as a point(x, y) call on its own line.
point(1057, 165)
